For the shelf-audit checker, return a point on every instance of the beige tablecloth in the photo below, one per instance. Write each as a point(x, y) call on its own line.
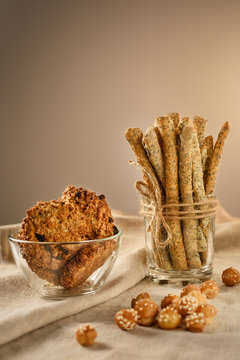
point(35, 328)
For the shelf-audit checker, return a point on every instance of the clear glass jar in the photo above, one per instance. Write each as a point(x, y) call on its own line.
point(198, 250)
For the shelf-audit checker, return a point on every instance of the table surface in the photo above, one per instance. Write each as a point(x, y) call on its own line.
point(217, 341)
point(56, 340)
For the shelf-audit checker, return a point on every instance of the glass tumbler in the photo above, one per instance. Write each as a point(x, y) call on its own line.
point(197, 246)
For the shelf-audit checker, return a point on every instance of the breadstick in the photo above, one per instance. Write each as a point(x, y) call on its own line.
point(200, 125)
point(155, 255)
point(134, 137)
point(163, 253)
point(198, 188)
point(201, 239)
point(211, 173)
point(159, 137)
point(154, 152)
point(185, 177)
point(215, 158)
point(206, 149)
point(152, 255)
point(206, 153)
point(203, 150)
point(197, 179)
point(198, 185)
point(184, 122)
point(175, 117)
point(152, 142)
point(176, 247)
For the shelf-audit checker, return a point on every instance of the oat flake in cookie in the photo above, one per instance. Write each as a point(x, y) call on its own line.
point(78, 215)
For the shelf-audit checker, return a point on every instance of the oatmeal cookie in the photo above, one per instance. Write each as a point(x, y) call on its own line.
point(85, 262)
point(78, 215)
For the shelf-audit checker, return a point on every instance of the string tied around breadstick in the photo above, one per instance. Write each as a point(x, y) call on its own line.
point(156, 213)
point(152, 206)
point(183, 214)
point(154, 197)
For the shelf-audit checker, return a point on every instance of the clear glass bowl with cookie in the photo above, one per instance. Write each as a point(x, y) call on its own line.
point(63, 269)
point(67, 247)
point(177, 195)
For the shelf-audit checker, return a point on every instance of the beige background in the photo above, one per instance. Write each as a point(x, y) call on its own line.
point(76, 74)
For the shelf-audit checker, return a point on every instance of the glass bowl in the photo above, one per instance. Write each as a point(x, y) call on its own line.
point(61, 269)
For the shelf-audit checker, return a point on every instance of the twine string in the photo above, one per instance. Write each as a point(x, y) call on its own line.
point(159, 213)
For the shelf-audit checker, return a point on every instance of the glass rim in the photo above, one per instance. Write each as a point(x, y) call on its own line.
point(12, 238)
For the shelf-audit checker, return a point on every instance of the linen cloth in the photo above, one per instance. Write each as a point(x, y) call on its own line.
point(22, 311)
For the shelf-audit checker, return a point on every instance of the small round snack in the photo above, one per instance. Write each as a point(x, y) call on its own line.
point(188, 288)
point(126, 319)
point(201, 298)
point(210, 289)
point(168, 318)
point(170, 300)
point(195, 322)
point(187, 305)
point(140, 296)
point(86, 335)
point(147, 311)
point(208, 310)
point(175, 303)
point(231, 277)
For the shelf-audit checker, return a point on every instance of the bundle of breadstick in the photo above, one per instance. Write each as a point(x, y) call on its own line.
point(179, 167)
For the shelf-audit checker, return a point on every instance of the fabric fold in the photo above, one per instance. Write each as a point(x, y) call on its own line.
point(22, 310)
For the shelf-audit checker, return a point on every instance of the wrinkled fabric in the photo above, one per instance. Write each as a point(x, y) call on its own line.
point(34, 328)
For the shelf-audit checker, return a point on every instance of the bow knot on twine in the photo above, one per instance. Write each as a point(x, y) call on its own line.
point(153, 207)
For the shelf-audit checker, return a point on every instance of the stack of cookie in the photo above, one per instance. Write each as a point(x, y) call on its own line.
point(181, 164)
point(78, 215)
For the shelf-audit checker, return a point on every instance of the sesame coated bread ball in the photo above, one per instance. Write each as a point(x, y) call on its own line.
point(201, 298)
point(140, 296)
point(169, 300)
point(208, 310)
point(231, 277)
point(195, 322)
point(210, 289)
point(188, 288)
point(86, 335)
point(147, 311)
point(126, 319)
point(187, 305)
point(168, 318)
